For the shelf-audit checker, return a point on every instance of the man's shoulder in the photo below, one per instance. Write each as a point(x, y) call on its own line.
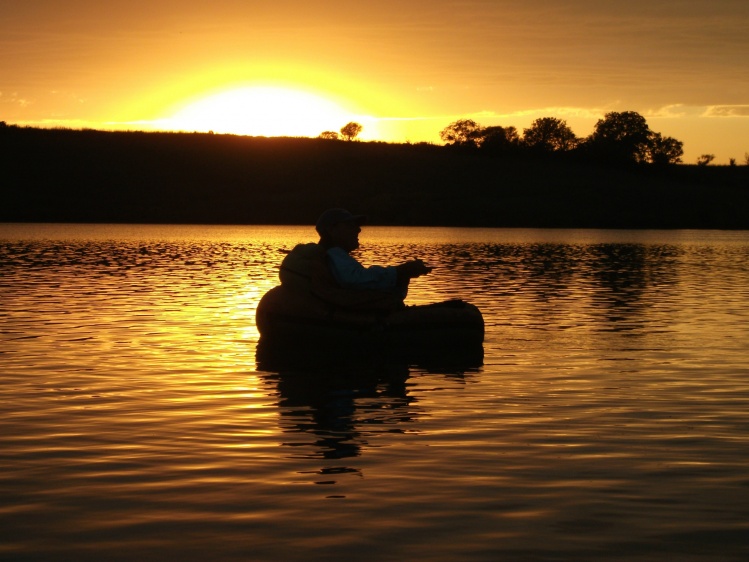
point(339, 255)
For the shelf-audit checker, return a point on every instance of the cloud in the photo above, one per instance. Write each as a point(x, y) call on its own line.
point(682, 111)
point(726, 111)
point(672, 111)
point(14, 99)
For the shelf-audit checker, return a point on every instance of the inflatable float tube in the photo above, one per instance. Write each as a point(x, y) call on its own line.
point(292, 321)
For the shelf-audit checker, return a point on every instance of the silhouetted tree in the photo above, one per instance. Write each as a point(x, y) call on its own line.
point(463, 132)
point(499, 139)
point(621, 136)
point(549, 134)
point(705, 159)
point(746, 158)
point(351, 130)
point(664, 150)
point(329, 135)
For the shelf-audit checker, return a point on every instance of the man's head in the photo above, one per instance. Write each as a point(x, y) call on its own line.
point(338, 227)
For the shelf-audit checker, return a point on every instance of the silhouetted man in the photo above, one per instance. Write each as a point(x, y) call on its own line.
point(339, 235)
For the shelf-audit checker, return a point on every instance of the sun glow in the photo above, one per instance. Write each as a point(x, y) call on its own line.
point(261, 111)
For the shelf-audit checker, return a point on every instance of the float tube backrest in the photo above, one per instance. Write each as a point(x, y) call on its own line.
point(298, 266)
point(305, 270)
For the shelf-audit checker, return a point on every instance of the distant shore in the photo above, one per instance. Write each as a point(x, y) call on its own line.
point(59, 175)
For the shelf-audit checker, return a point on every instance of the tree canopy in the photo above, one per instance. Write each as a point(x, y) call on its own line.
point(549, 134)
point(665, 150)
point(463, 132)
point(619, 137)
point(351, 130)
point(500, 139)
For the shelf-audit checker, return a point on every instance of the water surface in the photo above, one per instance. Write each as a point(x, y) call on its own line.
point(609, 420)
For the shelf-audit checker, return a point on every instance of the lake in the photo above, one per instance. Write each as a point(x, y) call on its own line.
point(608, 421)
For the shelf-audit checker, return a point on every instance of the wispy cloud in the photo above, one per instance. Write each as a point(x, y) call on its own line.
point(727, 111)
point(14, 99)
point(683, 111)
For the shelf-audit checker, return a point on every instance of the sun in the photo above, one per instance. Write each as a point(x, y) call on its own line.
point(261, 111)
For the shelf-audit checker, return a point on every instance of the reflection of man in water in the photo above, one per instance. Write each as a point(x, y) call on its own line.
point(339, 235)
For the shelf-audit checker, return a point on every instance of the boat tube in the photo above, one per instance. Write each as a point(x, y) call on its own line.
point(309, 311)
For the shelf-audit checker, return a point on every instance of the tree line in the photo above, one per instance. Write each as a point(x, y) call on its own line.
point(65, 175)
point(619, 137)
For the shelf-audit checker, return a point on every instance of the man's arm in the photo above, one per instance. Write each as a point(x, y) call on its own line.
point(351, 274)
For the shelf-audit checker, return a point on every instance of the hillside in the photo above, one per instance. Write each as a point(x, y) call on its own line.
point(94, 176)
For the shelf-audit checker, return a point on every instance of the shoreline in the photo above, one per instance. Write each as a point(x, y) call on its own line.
point(67, 176)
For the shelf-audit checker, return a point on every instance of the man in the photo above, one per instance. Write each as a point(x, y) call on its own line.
point(339, 235)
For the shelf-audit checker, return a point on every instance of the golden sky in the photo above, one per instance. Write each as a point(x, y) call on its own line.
point(404, 69)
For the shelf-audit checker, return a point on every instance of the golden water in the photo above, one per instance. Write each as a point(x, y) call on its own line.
point(610, 420)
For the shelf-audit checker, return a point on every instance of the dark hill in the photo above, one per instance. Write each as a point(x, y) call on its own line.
point(93, 176)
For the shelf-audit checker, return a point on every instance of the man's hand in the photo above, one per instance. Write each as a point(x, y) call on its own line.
point(413, 268)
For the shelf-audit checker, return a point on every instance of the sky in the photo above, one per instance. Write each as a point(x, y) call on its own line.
point(404, 69)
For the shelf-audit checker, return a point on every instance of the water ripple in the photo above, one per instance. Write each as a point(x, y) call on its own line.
point(610, 419)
